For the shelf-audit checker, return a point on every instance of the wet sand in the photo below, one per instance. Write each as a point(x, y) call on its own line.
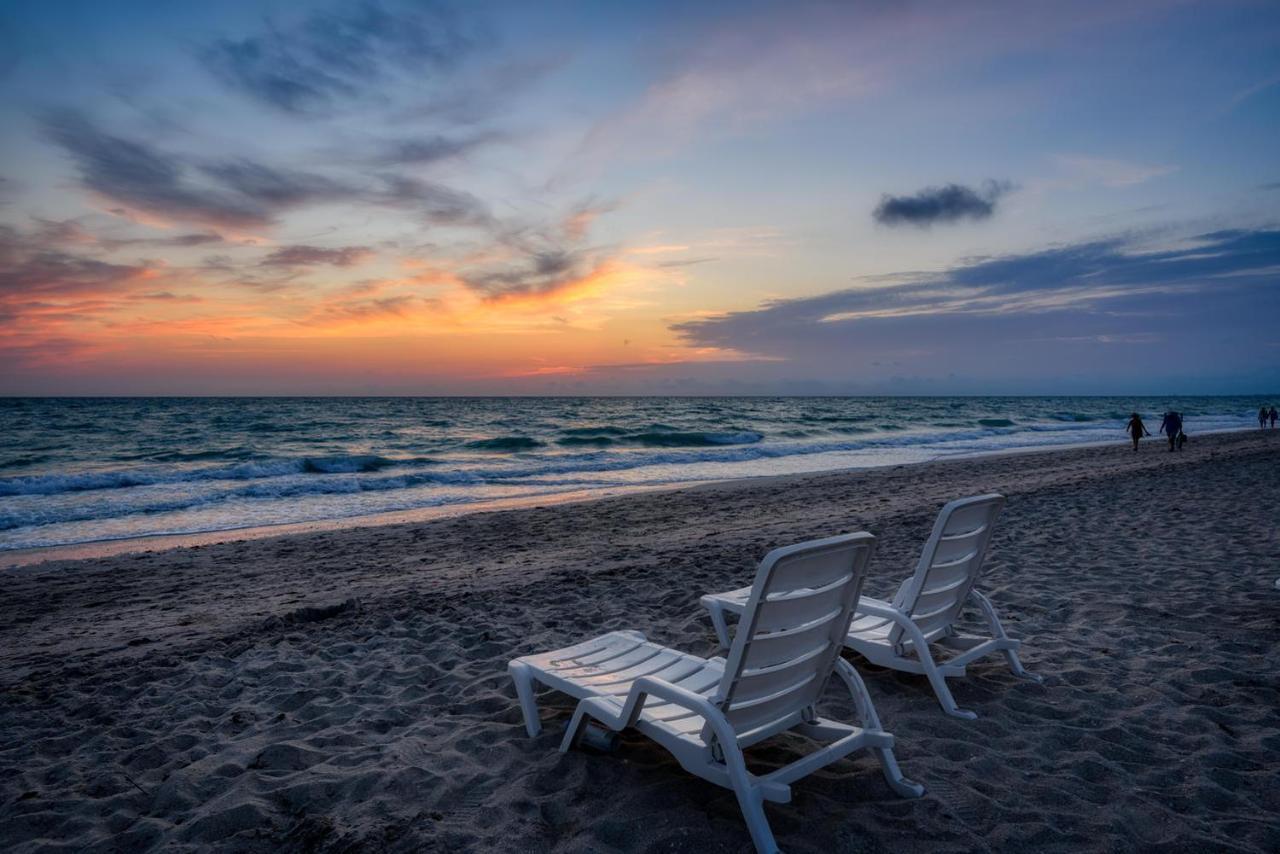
point(345, 690)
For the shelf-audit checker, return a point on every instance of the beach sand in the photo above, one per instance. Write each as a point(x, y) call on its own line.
point(347, 691)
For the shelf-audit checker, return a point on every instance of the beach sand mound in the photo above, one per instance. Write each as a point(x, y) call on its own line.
point(296, 719)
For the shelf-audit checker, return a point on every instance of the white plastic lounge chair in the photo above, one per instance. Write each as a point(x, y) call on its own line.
point(706, 711)
point(898, 634)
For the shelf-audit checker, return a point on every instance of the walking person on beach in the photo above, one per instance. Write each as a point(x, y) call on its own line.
point(1262, 417)
point(1171, 426)
point(1136, 429)
point(1273, 415)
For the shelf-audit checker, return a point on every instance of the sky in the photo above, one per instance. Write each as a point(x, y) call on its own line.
point(417, 197)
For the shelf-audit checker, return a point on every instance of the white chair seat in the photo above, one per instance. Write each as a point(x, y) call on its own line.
point(869, 629)
point(608, 666)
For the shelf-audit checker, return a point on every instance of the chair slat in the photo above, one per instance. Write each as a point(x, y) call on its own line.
point(958, 549)
point(791, 631)
point(638, 655)
point(967, 519)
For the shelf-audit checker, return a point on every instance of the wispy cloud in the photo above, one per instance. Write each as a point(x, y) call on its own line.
point(29, 270)
point(1110, 172)
point(145, 180)
point(329, 58)
point(1212, 287)
point(946, 204)
point(310, 256)
point(535, 272)
point(275, 189)
point(434, 202)
point(1250, 91)
point(237, 193)
point(429, 148)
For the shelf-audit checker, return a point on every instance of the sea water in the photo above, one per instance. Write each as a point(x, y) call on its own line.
point(79, 470)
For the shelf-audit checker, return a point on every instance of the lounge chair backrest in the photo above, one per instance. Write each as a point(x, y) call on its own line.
point(790, 634)
point(949, 567)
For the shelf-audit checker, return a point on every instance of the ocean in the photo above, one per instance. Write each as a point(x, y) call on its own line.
point(80, 470)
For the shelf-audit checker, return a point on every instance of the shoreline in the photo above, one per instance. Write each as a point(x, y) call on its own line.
point(15, 559)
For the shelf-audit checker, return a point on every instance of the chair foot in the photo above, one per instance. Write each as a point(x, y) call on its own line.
point(1015, 664)
point(940, 690)
point(962, 714)
point(523, 677)
point(907, 788)
point(893, 775)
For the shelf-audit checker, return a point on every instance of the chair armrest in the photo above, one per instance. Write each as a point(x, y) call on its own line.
point(662, 689)
point(988, 612)
point(653, 686)
point(876, 608)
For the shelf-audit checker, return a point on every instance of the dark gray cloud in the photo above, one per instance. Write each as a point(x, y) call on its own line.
point(199, 239)
point(164, 296)
point(534, 272)
point(335, 56)
point(70, 232)
point(432, 148)
point(277, 189)
point(1208, 301)
point(310, 256)
point(142, 178)
point(689, 262)
point(543, 256)
point(933, 205)
point(30, 269)
point(238, 193)
point(436, 203)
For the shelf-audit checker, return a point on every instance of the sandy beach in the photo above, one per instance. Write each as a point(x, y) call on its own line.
point(346, 690)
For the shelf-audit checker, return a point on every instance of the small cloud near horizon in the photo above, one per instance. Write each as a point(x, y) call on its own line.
point(945, 204)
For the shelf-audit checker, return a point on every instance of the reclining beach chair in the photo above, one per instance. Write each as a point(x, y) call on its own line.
point(899, 634)
point(706, 711)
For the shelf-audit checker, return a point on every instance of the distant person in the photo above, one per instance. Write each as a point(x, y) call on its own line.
point(1262, 418)
point(1136, 429)
point(1171, 426)
point(1273, 415)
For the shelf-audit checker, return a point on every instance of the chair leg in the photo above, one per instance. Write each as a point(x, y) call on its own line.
point(752, 804)
point(998, 632)
point(750, 800)
point(939, 683)
point(523, 677)
point(573, 733)
point(871, 721)
point(717, 621)
point(893, 774)
point(1015, 664)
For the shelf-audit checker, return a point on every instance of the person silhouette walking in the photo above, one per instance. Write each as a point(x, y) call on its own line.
point(1171, 426)
point(1136, 429)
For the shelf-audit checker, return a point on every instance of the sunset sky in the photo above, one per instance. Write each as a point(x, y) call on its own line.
point(484, 198)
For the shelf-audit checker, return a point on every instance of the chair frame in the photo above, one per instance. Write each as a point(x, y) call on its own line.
point(907, 648)
point(717, 756)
